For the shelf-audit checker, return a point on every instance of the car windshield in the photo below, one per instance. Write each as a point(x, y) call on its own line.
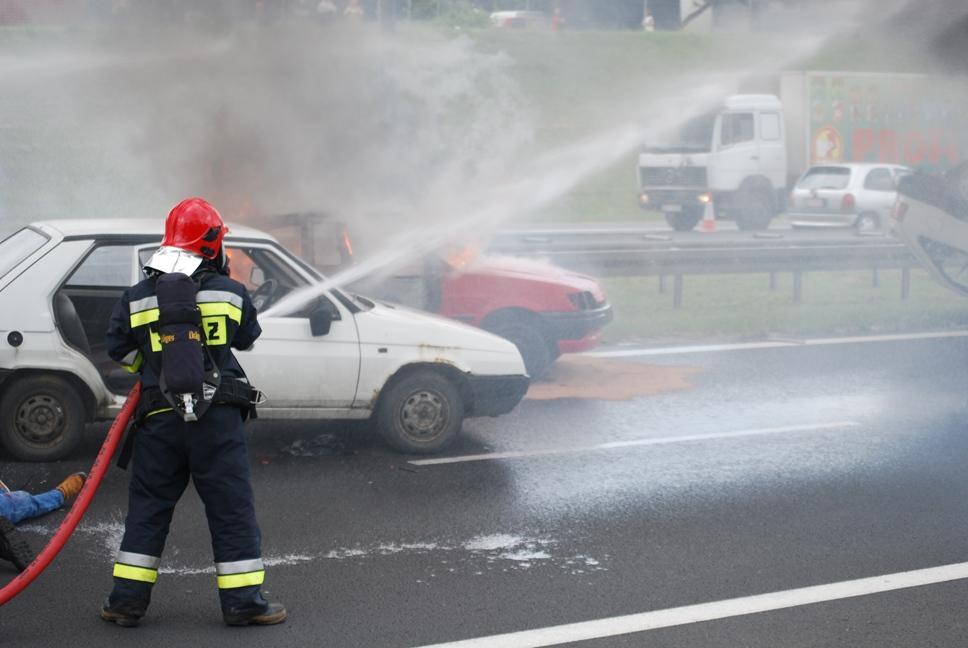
point(17, 247)
point(826, 177)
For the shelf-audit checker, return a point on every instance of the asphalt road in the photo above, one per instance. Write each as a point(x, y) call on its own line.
point(777, 469)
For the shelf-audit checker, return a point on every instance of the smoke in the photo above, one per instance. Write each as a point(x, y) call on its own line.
point(261, 120)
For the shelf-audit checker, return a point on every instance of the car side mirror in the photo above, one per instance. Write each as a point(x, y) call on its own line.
point(320, 321)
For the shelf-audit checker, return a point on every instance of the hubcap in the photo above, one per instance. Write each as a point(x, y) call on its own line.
point(40, 419)
point(424, 415)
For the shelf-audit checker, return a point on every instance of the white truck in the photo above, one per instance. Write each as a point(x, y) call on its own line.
point(742, 158)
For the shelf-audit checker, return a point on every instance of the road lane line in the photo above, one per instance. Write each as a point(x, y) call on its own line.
point(489, 456)
point(772, 344)
point(620, 625)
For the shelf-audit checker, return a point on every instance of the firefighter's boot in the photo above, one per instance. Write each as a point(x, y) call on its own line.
point(270, 614)
point(72, 485)
point(12, 547)
point(127, 603)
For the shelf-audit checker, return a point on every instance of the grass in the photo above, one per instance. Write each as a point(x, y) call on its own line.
point(738, 307)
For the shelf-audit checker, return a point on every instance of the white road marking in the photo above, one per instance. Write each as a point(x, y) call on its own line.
point(634, 442)
point(610, 627)
point(772, 344)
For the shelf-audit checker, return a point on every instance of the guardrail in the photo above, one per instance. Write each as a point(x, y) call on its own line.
point(645, 255)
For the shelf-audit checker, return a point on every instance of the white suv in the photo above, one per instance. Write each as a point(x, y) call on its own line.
point(342, 357)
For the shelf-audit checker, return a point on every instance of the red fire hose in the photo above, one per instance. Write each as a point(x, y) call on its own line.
point(67, 526)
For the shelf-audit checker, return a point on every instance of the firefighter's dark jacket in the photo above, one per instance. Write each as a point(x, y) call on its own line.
point(228, 319)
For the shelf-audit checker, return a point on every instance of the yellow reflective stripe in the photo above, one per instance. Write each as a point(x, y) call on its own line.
point(135, 573)
point(144, 317)
point(136, 365)
point(159, 411)
point(211, 309)
point(230, 581)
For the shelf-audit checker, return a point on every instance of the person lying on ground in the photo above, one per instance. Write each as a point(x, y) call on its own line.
point(16, 506)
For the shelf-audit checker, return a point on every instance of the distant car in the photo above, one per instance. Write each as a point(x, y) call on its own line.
point(931, 217)
point(518, 19)
point(342, 356)
point(845, 195)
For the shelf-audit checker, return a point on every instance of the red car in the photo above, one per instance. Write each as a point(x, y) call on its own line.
point(545, 310)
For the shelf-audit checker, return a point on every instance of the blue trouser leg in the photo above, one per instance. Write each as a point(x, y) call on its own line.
point(220, 470)
point(159, 475)
point(21, 505)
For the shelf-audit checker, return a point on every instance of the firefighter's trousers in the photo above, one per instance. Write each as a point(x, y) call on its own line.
point(212, 452)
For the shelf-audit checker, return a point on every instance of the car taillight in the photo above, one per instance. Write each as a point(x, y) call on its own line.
point(899, 211)
point(848, 202)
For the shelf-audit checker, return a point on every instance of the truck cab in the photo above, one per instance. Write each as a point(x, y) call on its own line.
point(733, 160)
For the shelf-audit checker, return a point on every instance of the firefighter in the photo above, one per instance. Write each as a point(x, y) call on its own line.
point(176, 328)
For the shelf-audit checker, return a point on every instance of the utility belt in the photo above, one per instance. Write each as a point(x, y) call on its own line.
point(231, 391)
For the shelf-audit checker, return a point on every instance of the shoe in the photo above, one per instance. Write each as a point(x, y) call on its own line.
point(126, 615)
point(12, 547)
point(71, 486)
point(273, 613)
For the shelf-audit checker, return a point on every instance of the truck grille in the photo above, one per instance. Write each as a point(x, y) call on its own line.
point(689, 176)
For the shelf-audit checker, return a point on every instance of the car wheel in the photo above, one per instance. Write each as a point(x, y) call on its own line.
point(756, 210)
point(41, 418)
point(421, 412)
point(868, 222)
point(685, 220)
point(534, 348)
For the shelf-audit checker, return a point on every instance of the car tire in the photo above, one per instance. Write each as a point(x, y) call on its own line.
point(867, 222)
point(422, 412)
point(534, 347)
point(685, 220)
point(41, 418)
point(756, 210)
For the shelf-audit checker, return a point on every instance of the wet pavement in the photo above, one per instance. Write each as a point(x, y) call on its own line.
point(728, 474)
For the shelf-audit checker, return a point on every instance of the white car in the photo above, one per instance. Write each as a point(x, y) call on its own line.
point(931, 217)
point(858, 195)
point(341, 357)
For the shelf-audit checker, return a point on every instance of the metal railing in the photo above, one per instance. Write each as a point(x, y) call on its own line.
point(644, 255)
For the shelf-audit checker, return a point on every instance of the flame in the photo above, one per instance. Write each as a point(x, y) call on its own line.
point(459, 258)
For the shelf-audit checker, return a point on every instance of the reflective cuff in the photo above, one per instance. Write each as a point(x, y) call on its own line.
point(133, 362)
point(136, 567)
point(241, 573)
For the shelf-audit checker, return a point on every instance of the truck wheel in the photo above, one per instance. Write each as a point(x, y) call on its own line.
point(41, 418)
point(534, 348)
point(422, 412)
point(685, 220)
point(756, 210)
point(868, 222)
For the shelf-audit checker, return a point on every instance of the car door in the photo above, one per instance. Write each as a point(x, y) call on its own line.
point(737, 151)
point(301, 374)
point(880, 193)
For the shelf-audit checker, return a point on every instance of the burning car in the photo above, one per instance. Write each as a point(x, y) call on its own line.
point(545, 310)
point(342, 356)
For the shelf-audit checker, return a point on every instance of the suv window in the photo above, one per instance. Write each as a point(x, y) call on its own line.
point(18, 246)
point(108, 266)
point(825, 177)
point(879, 180)
point(737, 127)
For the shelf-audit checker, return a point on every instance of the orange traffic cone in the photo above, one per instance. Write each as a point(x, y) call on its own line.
point(708, 223)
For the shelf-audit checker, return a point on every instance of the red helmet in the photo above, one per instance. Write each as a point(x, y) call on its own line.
point(194, 225)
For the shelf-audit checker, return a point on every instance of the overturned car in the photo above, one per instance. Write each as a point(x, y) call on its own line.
point(342, 356)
